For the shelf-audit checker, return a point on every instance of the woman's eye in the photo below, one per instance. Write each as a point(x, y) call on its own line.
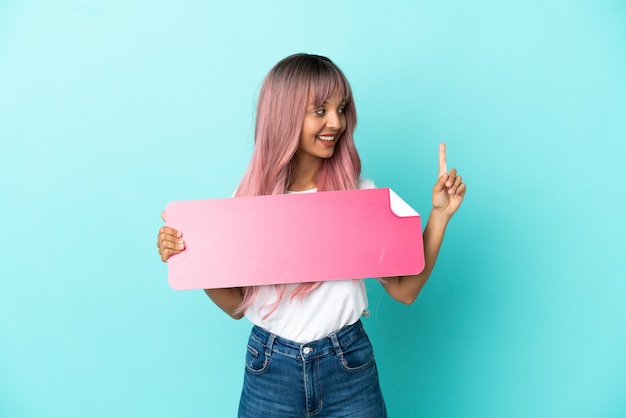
point(341, 111)
point(320, 112)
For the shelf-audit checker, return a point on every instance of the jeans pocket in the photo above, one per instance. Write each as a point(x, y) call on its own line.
point(358, 355)
point(256, 360)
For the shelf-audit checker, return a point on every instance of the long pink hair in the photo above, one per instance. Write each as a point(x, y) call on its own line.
point(280, 114)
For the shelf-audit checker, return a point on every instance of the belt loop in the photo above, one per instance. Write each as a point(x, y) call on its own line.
point(335, 341)
point(270, 345)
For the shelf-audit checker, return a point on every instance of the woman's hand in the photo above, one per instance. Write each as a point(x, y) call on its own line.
point(169, 241)
point(449, 190)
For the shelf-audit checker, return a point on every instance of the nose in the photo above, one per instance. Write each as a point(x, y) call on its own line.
point(333, 120)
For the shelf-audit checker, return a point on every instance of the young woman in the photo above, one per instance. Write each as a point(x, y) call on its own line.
point(308, 354)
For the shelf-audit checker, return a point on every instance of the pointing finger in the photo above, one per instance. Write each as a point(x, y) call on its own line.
point(442, 159)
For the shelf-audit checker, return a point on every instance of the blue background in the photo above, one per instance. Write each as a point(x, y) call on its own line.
point(111, 109)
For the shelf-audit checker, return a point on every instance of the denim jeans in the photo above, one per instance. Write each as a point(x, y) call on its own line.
point(332, 377)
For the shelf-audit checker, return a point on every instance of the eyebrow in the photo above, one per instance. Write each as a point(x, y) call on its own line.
point(342, 102)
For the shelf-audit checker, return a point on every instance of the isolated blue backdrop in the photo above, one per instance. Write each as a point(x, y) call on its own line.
point(111, 109)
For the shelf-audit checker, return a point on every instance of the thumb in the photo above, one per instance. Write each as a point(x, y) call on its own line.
point(163, 216)
point(441, 182)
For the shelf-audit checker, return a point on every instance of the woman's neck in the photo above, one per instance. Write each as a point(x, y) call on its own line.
point(306, 172)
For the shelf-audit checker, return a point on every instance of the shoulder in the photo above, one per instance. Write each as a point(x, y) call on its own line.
point(366, 184)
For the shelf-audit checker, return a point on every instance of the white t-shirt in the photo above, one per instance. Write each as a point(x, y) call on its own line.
point(328, 308)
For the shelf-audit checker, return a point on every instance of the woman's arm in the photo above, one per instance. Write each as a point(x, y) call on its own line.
point(228, 299)
point(405, 289)
point(448, 194)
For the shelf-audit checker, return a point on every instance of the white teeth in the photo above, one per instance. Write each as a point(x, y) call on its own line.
point(326, 138)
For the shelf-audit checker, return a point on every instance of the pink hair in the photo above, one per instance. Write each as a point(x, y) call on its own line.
point(280, 115)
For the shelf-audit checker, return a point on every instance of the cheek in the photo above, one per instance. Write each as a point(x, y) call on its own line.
point(344, 124)
point(309, 128)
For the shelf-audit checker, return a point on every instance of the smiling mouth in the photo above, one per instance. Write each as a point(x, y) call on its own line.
point(326, 138)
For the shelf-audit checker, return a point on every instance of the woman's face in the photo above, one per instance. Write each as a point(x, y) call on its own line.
point(322, 127)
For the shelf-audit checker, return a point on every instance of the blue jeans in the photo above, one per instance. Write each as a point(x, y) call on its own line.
point(332, 377)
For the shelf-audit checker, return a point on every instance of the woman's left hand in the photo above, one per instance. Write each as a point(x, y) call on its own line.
point(449, 191)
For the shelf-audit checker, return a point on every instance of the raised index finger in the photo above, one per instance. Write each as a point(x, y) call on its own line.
point(442, 159)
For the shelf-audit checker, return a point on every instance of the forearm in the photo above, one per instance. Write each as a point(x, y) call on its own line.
point(227, 299)
point(406, 288)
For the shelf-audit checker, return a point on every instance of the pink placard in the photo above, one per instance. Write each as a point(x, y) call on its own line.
point(293, 238)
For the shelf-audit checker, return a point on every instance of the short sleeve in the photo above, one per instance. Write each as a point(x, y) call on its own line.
point(366, 184)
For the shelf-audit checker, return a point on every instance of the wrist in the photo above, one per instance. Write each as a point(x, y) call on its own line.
point(439, 216)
